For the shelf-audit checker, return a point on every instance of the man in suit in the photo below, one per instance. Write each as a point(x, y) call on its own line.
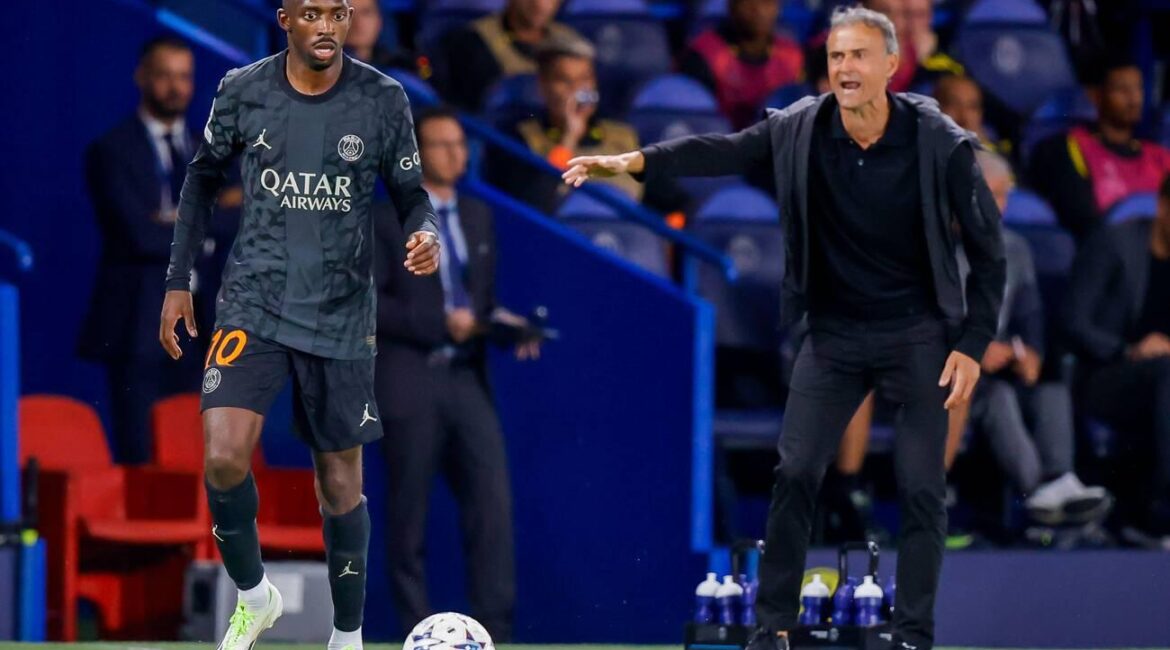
point(1118, 320)
point(433, 392)
point(134, 173)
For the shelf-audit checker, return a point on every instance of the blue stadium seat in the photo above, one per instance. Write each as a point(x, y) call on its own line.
point(1053, 250)
point(511, 99)
point(1020, 12)
point(785, 95)
point(1020, 64)
point(1064, 109)
point(631, 48)
point(601, 225)
point(1027, 208)
point(745, 223)
point(1142, 205)
point(606, 7)
point(419, 92)
point(675, 106)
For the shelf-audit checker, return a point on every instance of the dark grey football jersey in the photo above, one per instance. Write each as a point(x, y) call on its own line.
point(300, 270)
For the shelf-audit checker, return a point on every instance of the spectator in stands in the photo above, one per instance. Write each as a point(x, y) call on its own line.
point(962, 99)
point(922, 61)
point(744, 59)
point(432, 387)
point(498, 45)
point(1037, 457)
point(134, 173)
point(568, 127)
point(364, 40)
point(1083, 172)
point(1118, 320)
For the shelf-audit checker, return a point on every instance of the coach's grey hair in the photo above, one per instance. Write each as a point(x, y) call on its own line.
point(847, 16)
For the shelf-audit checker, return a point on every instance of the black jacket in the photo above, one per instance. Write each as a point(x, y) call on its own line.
point(783, 140)
point(1107, 291)
point(412, 322)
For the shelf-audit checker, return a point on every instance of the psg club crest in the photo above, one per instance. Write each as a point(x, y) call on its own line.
point(350, 148)
point(211, 380)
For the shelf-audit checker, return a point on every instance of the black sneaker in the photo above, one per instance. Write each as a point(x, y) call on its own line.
point(764, 639)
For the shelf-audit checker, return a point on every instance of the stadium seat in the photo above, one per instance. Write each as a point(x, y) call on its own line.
point(1142, 205)
point(511, 99)
point(1020, 12)
point(631, 45)
point(675, 106)
point(120, 537)
point(601, 225)
point(786, 95)
point(1021, 64)
point(1064, 109)
point(289, 519)
point(1028, 208)
point(745, 223)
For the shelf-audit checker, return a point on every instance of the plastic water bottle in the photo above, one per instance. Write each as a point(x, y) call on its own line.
point(891, 590)
point(843, 602)
point(705, 599)
point(814, 597)
point(867, 599)
point(729, 597)
point(747, 617)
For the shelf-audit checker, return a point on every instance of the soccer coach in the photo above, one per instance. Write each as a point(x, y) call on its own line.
point(876, 190)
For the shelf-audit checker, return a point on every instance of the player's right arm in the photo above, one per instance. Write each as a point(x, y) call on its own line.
point(696, 155)
point(206, 175)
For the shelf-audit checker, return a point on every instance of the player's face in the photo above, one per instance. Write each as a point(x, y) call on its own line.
point(963, 102)
point(1121, 97)
point(316, 29)
point(166, 80)
point(366, 25)
point(566, 77)
point(443, 150)
point(756, 17)
point(534, 13)
point(859, 67)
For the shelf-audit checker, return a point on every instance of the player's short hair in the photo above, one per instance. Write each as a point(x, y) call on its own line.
point(437, 112)
point(849, 16)
point(556, 48)
point(162, 42)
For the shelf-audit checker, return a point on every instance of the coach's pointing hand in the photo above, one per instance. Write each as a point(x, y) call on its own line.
point(423, 258)
point(961, 373)
point(582, 168)
point(177, 306)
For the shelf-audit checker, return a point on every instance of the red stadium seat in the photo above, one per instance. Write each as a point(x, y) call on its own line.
point(289, 520)
point(120, 537)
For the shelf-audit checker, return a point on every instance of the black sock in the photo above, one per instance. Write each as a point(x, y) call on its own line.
point(233, 513)
point(347, 542)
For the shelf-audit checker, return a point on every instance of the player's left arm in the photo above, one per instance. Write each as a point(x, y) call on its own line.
point(979, 225)
point(401, 171)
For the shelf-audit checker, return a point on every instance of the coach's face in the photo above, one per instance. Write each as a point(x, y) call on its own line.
point(316, 29)
point(859, 67)
point(443, 149)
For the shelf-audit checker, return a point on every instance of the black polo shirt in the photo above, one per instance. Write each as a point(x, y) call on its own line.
point(868, 258)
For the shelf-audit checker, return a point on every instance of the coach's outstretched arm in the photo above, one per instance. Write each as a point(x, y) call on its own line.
point(696, 155)
point(206, 176)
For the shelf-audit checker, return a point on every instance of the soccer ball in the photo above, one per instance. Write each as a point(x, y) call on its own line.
point(448, 631)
